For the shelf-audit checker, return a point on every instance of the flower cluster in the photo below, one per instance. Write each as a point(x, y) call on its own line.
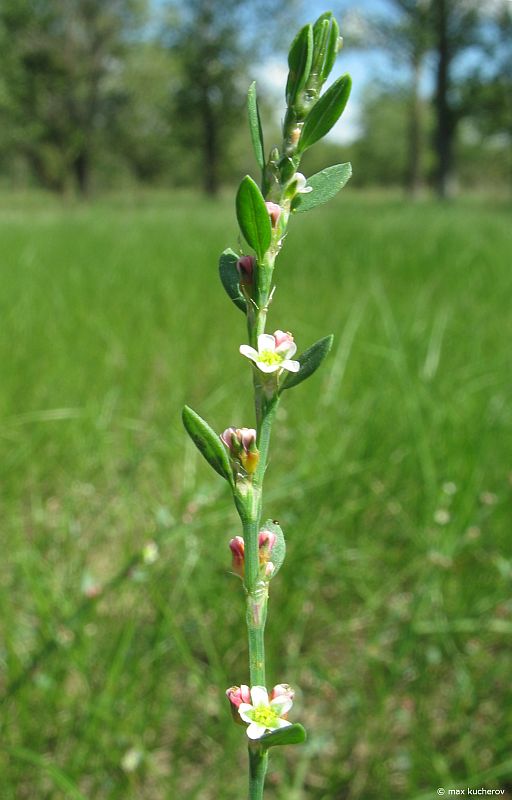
point(266, 541)
point(274, 352)
point(260, 711)
point(241, 443)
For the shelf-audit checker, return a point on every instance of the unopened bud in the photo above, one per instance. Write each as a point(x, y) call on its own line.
point(266, 541)
point(245, 266)
point(238, 551)
point(241, 443)
point(282, 690)
point(274, 212)
point(283, 340)
point(237, 695)
point(295, 136)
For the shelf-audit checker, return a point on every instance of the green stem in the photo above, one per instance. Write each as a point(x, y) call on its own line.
point(257, 589)
point(258, 763)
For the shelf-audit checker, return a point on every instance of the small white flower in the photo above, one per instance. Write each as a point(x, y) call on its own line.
point(264, 715)
point(301, 187)
point(273, 353)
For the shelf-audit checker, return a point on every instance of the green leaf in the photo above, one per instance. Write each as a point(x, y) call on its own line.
point(325, 185)
point(326, 112)
point(292, 734)
point(278, 551)
point(255, 126)
point(208, 443)
point(299, 63)
point(309, 361)
point(231, 279)
point(332, 49)
point(253, 217)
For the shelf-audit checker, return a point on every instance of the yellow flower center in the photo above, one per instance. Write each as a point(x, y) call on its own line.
point(270, 358)
point(264, 715)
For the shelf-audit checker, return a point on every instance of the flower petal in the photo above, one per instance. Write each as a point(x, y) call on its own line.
point(250, 352)
point(291, 366)
point(283, 723)
point(268, 367)
point(255, 731)
point(281, 705)
point(259, 696)
point(287, 349)
point(244, 710)
point(266, 342)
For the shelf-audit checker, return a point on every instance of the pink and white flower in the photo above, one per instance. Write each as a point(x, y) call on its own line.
point(274, 352)
point(263, 714)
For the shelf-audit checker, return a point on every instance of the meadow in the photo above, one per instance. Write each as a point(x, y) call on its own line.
point(390, 473)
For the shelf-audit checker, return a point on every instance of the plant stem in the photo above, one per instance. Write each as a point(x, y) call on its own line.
point(258, 763)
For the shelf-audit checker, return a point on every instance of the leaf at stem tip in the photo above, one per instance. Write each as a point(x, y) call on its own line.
point(253, 217)
point(299, 62)
point(325, 113)
point(231, 279)
point(208, 443)
point(255, 126)
point(292, 734)
point(278, 551)
point(325, 185)
point(309, 362)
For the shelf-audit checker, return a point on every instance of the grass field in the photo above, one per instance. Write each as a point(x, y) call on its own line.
point(391, 475)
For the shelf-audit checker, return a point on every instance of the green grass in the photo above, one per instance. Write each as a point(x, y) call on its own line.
point(391, 475)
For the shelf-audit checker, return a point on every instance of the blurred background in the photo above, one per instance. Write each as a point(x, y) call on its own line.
point(122, 140)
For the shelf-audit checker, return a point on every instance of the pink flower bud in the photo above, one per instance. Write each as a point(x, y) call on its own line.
point(230, 439)
point(266, 540)
point(283, 340)
point(247, 438)
point(284, 692)
point(274, 212)
point(238, 550)
point(241, 443)
point(245, 266)
point(237, 695)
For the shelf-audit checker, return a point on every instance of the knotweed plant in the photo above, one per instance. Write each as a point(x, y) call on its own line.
point(240, 454)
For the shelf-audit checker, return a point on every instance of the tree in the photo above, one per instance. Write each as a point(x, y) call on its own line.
point(455, 26)
point(58, 59)
point(215, 43)
point(487, 91)
point(408, 37)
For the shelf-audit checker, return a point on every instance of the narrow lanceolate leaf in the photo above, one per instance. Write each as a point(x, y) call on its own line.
point(278, 551)
point(332, 49)
point(299, 63)
point(326, 112)
point(208, 443)
point(309, 362)
point(292, 734)
point(255, 126)
point(231, 279)
point(325, 185)
point(253, 217)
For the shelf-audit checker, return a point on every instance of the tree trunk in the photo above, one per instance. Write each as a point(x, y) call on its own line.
point(415, 132)
point(445, 128)
point(210, 148)
point(82, 172)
